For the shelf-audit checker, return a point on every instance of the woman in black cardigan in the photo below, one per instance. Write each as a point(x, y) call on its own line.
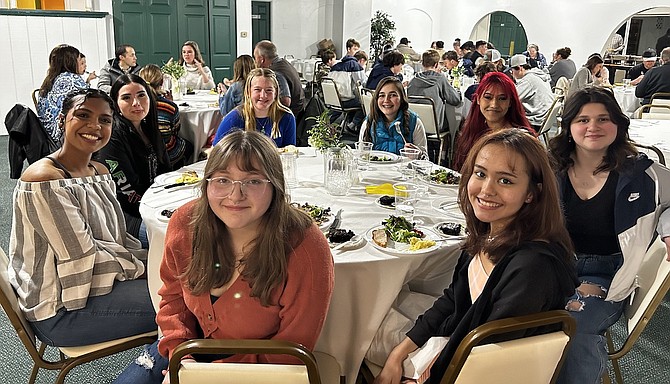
point(517, 259)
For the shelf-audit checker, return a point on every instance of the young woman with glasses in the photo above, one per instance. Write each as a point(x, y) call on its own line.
point(240, 262)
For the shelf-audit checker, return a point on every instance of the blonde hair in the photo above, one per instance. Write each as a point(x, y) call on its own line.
point(152, 74)
point(277, 110)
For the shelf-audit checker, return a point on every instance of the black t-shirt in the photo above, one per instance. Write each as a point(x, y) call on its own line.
point(636, 71)
point(591, 222)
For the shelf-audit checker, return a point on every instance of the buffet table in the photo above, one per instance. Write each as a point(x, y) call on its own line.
point(367, 279)
point(200, 118)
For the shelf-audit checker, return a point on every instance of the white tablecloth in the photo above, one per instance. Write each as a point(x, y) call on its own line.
point(199, 119)
point(626, 99)
point(367, 281)
point(652, 132)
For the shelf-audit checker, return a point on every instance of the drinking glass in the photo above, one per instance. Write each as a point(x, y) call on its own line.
point(288, 164)
point(408, 155)
point(363, 149)
point(626, 83)
point(406, 197)
point(422, 169)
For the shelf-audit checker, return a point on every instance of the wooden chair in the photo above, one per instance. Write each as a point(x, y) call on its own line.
point(551, 118)
point(654, 284)
point(659, 154)
point(70, 357)
point(318, 367)
point(425, 108)
point(332, 99)
point(534, 359)
point(35, 95)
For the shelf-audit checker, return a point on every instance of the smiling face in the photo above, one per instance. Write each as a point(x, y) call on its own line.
point(388, 101)
point(494, 104)
point(133, 102)
point(263, 93)
point(592, 129)
point(81, 65)
point(188, 54)
point(88, 125)
point(499, 186)
point(241, 211)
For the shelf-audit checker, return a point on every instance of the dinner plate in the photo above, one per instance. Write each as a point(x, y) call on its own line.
point(385, 206)
point(330, 217)
point(355, 243)
point(446, 205)
point(460, 236)
point(428, 178)
point(402, 248)
point(392, 157)
point(159, 212)
point(169, 178)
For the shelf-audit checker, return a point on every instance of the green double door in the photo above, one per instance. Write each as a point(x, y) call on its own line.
point(507, 33)
point(158, 28)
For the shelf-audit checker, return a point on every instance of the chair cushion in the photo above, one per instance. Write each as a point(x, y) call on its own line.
point(84, 349)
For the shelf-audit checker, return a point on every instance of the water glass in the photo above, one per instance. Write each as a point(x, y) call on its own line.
point(363, 149)
point(422, 169)
point(406, 198)
point(182, 87)
point(288, 163)
point(408, 155)
point(626, 83)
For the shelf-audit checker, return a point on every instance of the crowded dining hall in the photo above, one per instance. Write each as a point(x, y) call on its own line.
point(327, 192)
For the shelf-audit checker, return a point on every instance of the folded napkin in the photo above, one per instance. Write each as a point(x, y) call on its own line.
point(383, 189)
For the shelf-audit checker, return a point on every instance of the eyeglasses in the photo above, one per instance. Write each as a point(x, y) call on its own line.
point(222, 187)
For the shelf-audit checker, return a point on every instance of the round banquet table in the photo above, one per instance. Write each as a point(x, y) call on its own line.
point(367, 280)
point(199, 118)
point(626, 99)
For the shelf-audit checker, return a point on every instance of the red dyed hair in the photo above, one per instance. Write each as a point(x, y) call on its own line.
point(475, 125)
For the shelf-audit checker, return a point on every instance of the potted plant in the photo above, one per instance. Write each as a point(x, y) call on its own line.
point(337, 159)
point(381, 32)
point(324, 134)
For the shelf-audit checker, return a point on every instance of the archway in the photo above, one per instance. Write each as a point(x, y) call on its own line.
point(503, 30)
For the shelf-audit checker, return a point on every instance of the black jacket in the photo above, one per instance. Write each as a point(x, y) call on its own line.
point(655, 80)
point(534, 277)
point(27, 139)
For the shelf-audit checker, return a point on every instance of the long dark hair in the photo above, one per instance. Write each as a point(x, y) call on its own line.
point(376, 114)
point(282, 227)
point(475, 125)
point(63, 58)
point(539, 219)
point(562, 146)
point(149, 124)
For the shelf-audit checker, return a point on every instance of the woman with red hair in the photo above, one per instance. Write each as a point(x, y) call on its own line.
point(495, 106)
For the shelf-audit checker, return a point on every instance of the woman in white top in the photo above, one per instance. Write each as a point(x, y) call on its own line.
point(198, 75)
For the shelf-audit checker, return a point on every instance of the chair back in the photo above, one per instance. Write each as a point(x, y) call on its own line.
point(619, 75)
point(660, 157)
point(316, 370)
point(331, 96)
point(425, 108)
point(35, 95)
point(534, 359)
point(562, 86)
point(653, 112)
point(366, 99)
point(551, 118)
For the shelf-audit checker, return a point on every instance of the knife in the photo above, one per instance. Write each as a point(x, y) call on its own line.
point(336, 222)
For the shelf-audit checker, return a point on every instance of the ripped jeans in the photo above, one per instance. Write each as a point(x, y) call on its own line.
point(586, 360)
point(147, 368)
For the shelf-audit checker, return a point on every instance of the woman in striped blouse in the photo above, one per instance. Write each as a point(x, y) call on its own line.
point(75, 268)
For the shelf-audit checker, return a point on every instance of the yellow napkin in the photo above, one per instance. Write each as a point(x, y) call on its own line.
point(383, 189)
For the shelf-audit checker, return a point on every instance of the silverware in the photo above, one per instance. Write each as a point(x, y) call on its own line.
point(336, 222)
point(397, 129)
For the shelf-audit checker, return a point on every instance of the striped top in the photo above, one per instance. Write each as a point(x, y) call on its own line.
point(477, 277)
point(68, 242)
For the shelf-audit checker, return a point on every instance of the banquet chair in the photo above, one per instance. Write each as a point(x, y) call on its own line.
point(659, 154)
point(425, 108)
point(366, 99)
point(318, 367)
point(533, 359)
point(35, 95)
point(619, 75)
point(562, 86)
point(653, 112)
point(654, 283)
point(70, 357)
point(332, 99)
point(551, 118)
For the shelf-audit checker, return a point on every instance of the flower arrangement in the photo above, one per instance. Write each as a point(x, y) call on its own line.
point(323, 134)
point(174, 69)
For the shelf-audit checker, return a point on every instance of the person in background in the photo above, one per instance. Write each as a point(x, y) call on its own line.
point(587, 75)
point(535, 58)
point(198, 75)
point(434, 85)
point(76, 270)
point(347, 74)
point(62, 78)
point(123, 63)
point(439, 47)
point(655, 80)
point(391, 125)
point(362, 59)
point(81, 70)
point(235, 93)
point(449, 60)
point(323, 68)
point(562, 66)
point(516, 260)
point(636, 74)
point(391, 65)
point(481, 70)
point(407, 50)
point(532, 85)
point(179, 150)
point(240, 262)
point(457, 47)
point(261, 111)
point(663, 41)
point(468, 49)
point(495, 106)
point(352, 46)
point(616, 203)
point(135, 154)
point(479, 51)
point(494, 56)
point(616, 45)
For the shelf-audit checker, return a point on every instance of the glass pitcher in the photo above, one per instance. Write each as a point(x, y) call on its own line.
point(338, 168)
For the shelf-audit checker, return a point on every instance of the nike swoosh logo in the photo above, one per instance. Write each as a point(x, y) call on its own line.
point(633, 196)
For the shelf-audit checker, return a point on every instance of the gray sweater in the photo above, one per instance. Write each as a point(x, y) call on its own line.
point(435, 86)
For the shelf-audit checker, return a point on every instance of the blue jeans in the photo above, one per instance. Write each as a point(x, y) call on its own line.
point(142, 236)
point(586, 360)
point(125, 311)
point(146, 369)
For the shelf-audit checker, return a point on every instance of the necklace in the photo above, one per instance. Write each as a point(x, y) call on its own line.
point(263, 123)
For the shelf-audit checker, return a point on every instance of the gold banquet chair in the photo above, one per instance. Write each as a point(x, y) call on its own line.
point(654, 283)
point(319, 367)
point(533, 359)
point(35, 95)
point(70, 357)
point(424, 107)
point(653, 112)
